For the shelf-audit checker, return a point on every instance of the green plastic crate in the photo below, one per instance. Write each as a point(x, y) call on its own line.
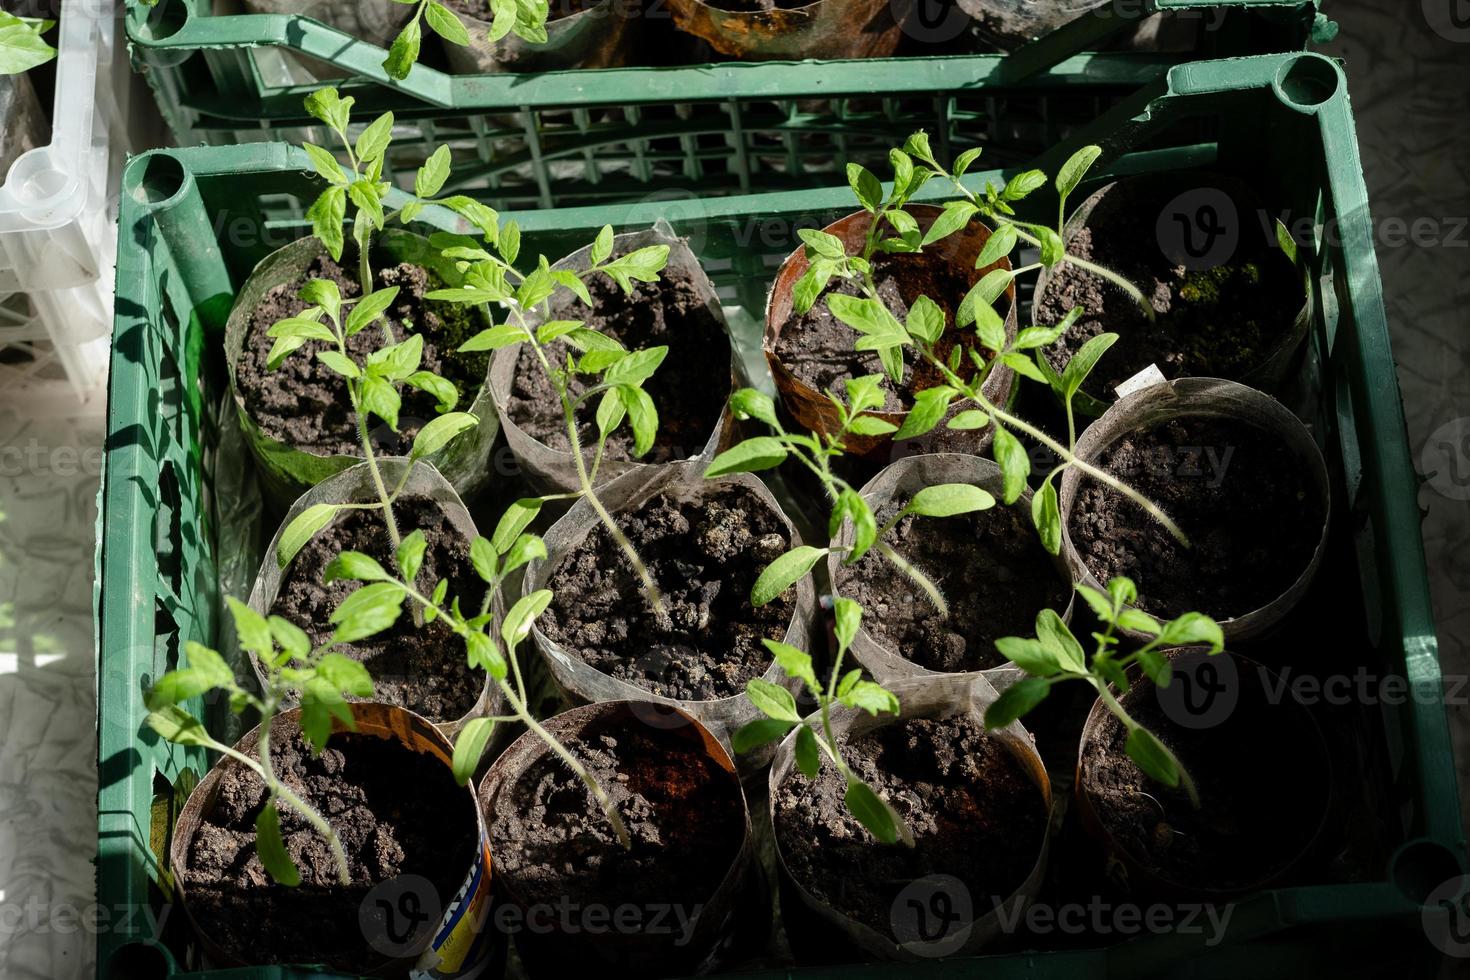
point(575, 138)
point(188, 237)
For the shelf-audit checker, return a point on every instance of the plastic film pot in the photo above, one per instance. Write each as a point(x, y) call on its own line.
point(286, 471)
point(460, 940)
point(932, 696)
point(823, 29)
point(598, 37)
point(584, 683)
point(1203, 398)
point(897, 483)
point(554, 470)
point(355, 486)
point(814, 411)
point(642, 952)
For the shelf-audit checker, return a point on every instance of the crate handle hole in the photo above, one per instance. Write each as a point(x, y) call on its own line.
point(138, 961)
point(165, 20)
point(157, 180)
point(1424, 867)
point(1306, 82)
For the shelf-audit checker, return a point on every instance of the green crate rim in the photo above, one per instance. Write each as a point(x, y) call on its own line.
point(1372, 430)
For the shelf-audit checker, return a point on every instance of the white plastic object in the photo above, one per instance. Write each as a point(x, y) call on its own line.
point(58, 213)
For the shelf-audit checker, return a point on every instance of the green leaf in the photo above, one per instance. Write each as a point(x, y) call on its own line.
point(518, 621)
point(1075, 169)
point(373, 141)
point(354, 566)
point(949, 500)
point(446, 395)
point(272, 850)
point(997, 246)
point(442, 21)
point(303, 528)
point(821, 243)
point(955, 216)
point(252, 630)
point(602, 245)
point(432, 174)
point(326, 105)
point(864, 393)
point(555, 329)
point(867, 187)
point(610, 413)
point(643, 415)
point(918, 145)
point(760, 732)
point(1057, 638)
point(517, 517)
point(339, 363)
point(21, 45)
point(346, 675)
point(1101, 603)
point(302, 328)
point(964, 161)
point(1156, 761)
point(1033, 337)
point(493, 339)
point(1032, 656)
point(904, 223)
point(783, 573)
point(808, 755)
point(642, 265)
point(405, 51)
point(870, 697)
point(750, 456)
point(990, 327)
point(870, 810)
point(367, 611)
point(1015, 464)
point(850, 504)
point(1052, 248)
point(323, 163)
point(930, 405)
point(380, 398)
point(637, 367)
point(527, 548)
point(1123, 591)
point(903, 174)
point(926, 319)
point(1193, 628)
point(176, 725)
point(871, 425)
point(773, 700)
point(750, 403)
point(970, 418)
point(1023, 184)
point(290, 637)
point(482, 654)
point(1074, 375)
point(1138, 621)
point(848, 617)
point(439, 432)
point(1047, 516)
point(370, 308)
point(1285, 240)
point(469, 748)
point(1156, 667)
point(984, 293)
point(483, 556)
point(326, 215)
point(865, 315)
point(410, 555)
point(1015, 701)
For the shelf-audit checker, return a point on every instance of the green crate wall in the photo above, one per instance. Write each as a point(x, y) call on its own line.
point(1285, 120)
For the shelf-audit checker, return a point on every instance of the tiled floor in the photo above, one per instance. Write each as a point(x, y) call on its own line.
point(1411, 93)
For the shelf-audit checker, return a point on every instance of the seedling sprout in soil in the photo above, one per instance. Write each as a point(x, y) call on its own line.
point(527, 18)
point(1054, 655)
point(21, 45)
point(318, 677)
point(817, 454)
point(617, 374)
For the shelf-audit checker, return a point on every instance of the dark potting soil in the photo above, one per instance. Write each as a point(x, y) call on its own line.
point(419, 668)
point(1220, 322)
point(303, 403)
point(689, 389)
point(817, 347)
point(975, 813)
point(988, 565)
point(1261, 779)
point(480, 9)
point(704, 547)
point(683, 812)
point(755, 6)
point(397, 812)
point(1242, 498)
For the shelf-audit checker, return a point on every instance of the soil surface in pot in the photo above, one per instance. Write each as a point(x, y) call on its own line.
point(975, 813)
point(552, 842)
point(480, 9)
point(756, 6)
point(1220, 322)
point(705, 547)
point(303, 403)
point(689, 389)
point(419, 668)
point(398, 812)
point(989, 566)
point(1245, 501)
point(1261, 792)
point(817, 348)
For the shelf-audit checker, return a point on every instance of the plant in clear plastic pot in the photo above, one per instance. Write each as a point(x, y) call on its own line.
point(576, 34)
point(789, 30)
point(1229, 299)
point(282, 853)
point(318, 352)
point(1254, 827)
point(978, 804)
point(572, 896)
point(705, 542)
